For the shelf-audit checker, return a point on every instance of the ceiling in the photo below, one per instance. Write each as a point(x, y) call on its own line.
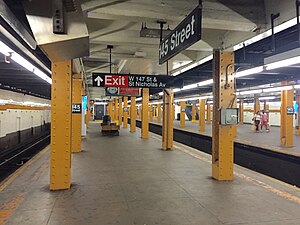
point(119, 22)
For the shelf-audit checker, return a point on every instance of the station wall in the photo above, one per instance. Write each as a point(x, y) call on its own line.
point(23, 119)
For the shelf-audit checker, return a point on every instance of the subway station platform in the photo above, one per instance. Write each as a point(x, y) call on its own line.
point(245, 135)
point(128, 180)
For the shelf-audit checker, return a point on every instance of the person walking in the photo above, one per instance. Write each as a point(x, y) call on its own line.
point(256, 120)
point(264, 121)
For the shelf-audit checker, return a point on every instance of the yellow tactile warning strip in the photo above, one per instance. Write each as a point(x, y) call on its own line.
point(10, 206)
point(197, 154)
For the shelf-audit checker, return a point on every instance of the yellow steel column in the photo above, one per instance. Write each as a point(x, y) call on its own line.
point(193, 113)
point(110, 109)
point(76, 116)
point(151, 113)
point(129, 111)
point(256, 104)
point(174, 116)
point(222, 135)
point(116, 119)
point(286, 120)
point(168, 119)
point(234, 127)
point(144, 114)
point(60, 154)
point(159, 113)
point(208, 113)
point(133, 114)
point(125, 112)
point(202, 115)
point(241, 113)
point(120, 113)
point(182, 114)
point(297, 129)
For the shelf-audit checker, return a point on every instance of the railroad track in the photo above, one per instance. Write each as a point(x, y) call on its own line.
point(278, 165)
point(15, 158)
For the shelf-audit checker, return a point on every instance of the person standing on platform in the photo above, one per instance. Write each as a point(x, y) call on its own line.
point(264, 121)
point(256, 120)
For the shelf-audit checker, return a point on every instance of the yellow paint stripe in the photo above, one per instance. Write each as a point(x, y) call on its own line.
point(10, 206)
point(286, 195)
point(19, 171)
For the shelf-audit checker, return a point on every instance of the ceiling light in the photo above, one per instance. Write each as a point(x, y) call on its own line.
point(254, 70)
point(274, 89)
point(283, 63)
point(250, 92)
point(297, 86)
point(267, 98)
point(5, 50)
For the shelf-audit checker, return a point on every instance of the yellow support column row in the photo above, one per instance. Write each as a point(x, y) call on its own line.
point(125, 112)
point(182, 114)
point(144, 114)
point(202, 115)
point(133, 114)
point(120, 111)
point(241, 113)
point(151, 112)
point(76, 113)
point(60, 147)
point(116, 110)
point(159, 113)
point(168, 119)
point(222, 135)
point(194, 113)
point(110, 109)
point(286, 119)
point(256, 104)
point(208, 113)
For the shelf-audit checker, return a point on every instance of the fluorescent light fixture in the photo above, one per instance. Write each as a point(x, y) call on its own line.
point(283, 63)
point(161, 93)
point(139, 99)
point(155, 103)
point(267, 98)
point(205, 83)
point(190, 86)
point(176, 90)
point(249, 71)
point(266, 34)
point(5, 50)
point(274, 89)
point(258, 91)
point(297, 86)
point(100, 103)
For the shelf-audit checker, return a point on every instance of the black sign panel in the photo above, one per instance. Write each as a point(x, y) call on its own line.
point(183, 36)
point(76, 108)
point(290, 110)
point(136, 81)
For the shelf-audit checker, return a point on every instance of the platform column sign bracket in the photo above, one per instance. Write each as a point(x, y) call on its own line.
point(183, 36)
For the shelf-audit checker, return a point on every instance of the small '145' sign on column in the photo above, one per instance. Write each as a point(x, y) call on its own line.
point(76, 108)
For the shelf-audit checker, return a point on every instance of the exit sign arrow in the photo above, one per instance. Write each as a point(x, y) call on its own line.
point(98, 80)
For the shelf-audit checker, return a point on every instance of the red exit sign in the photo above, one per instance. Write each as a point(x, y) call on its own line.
point(115, 81)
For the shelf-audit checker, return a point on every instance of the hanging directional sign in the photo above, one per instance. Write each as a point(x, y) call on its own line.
point(136, 81)
point(183, 36)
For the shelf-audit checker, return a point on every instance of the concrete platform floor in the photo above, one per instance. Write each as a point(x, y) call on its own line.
point(268, 140)
point(129, 181)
